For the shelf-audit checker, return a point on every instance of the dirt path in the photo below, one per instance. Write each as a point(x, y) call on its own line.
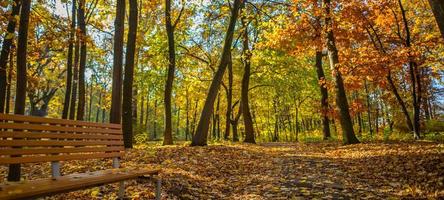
point(277, 171)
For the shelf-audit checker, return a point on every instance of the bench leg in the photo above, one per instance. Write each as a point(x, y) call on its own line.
point(121, 190)
point(158, 187)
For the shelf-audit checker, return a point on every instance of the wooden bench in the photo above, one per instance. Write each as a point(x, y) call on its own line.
point(26, 139)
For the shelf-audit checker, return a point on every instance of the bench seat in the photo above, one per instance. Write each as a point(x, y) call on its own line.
point(44, 187)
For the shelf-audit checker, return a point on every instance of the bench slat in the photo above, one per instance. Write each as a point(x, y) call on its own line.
point(44, 187)
point(23, 118)
point(18, 134)
point(39, 127)
point(11, 151)
point(41, 143)
point(34, 159)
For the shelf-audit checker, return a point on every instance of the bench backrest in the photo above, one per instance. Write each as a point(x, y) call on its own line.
point(27, 139)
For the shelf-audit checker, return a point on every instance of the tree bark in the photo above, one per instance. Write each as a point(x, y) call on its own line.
point(20, 94)
point(247, 54)
point(341, 96)
point(438, 11)
point(324, 96)
point(68, 91)
point(168, 135)
point(127, 116)
point(200, 138)
point(82, 62)
point(116, 98)
point(5, 53)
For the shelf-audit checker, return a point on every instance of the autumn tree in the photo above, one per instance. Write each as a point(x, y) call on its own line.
point(341, 96)
point(247, 53)
point(170, 26)
point(200, 137)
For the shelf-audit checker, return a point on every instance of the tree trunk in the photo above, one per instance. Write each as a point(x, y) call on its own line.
point(415, 77)
point(200, 138)
point(116, 98)
point(90, 100)
point(82, 62)
point(68, 91)
point(229, 97)
point(99, 104)
point(127, 115)
point(324, 96)
point(341, 96)
point(248, 121)
point(142, 100)
point(400, 101)
point(168, 135)
point(5, 53)
point(8, 88)
point(187, 126)
point(438, 11)
point(20, 94)
point(155, 120)
point(72, 106)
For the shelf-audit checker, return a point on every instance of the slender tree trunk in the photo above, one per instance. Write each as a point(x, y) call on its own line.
point(247, 54)
point(20, 94)
point(415, 78)
point(155, 120)
point(134, 103)
point(168, 135)
point(82, 62)
point(68, 91)
point(341, 96)
point(369, 108)
point(187, 126)
point(142, 100)
point(178, 122)
point(324, 96)
point(127, 115)
point(72, 106)
point(400, 101)
point(194, 117)
point(5, 52)
point(90, 100)
point(8, 88)
point(200, 138)
point(438, 11)
point(229, 97)
point(116, 98)
point(99, 104)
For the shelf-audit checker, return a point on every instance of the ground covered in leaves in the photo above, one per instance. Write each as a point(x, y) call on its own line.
point(275, 171)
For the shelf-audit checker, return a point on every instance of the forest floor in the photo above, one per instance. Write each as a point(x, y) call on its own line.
point(328, 170)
